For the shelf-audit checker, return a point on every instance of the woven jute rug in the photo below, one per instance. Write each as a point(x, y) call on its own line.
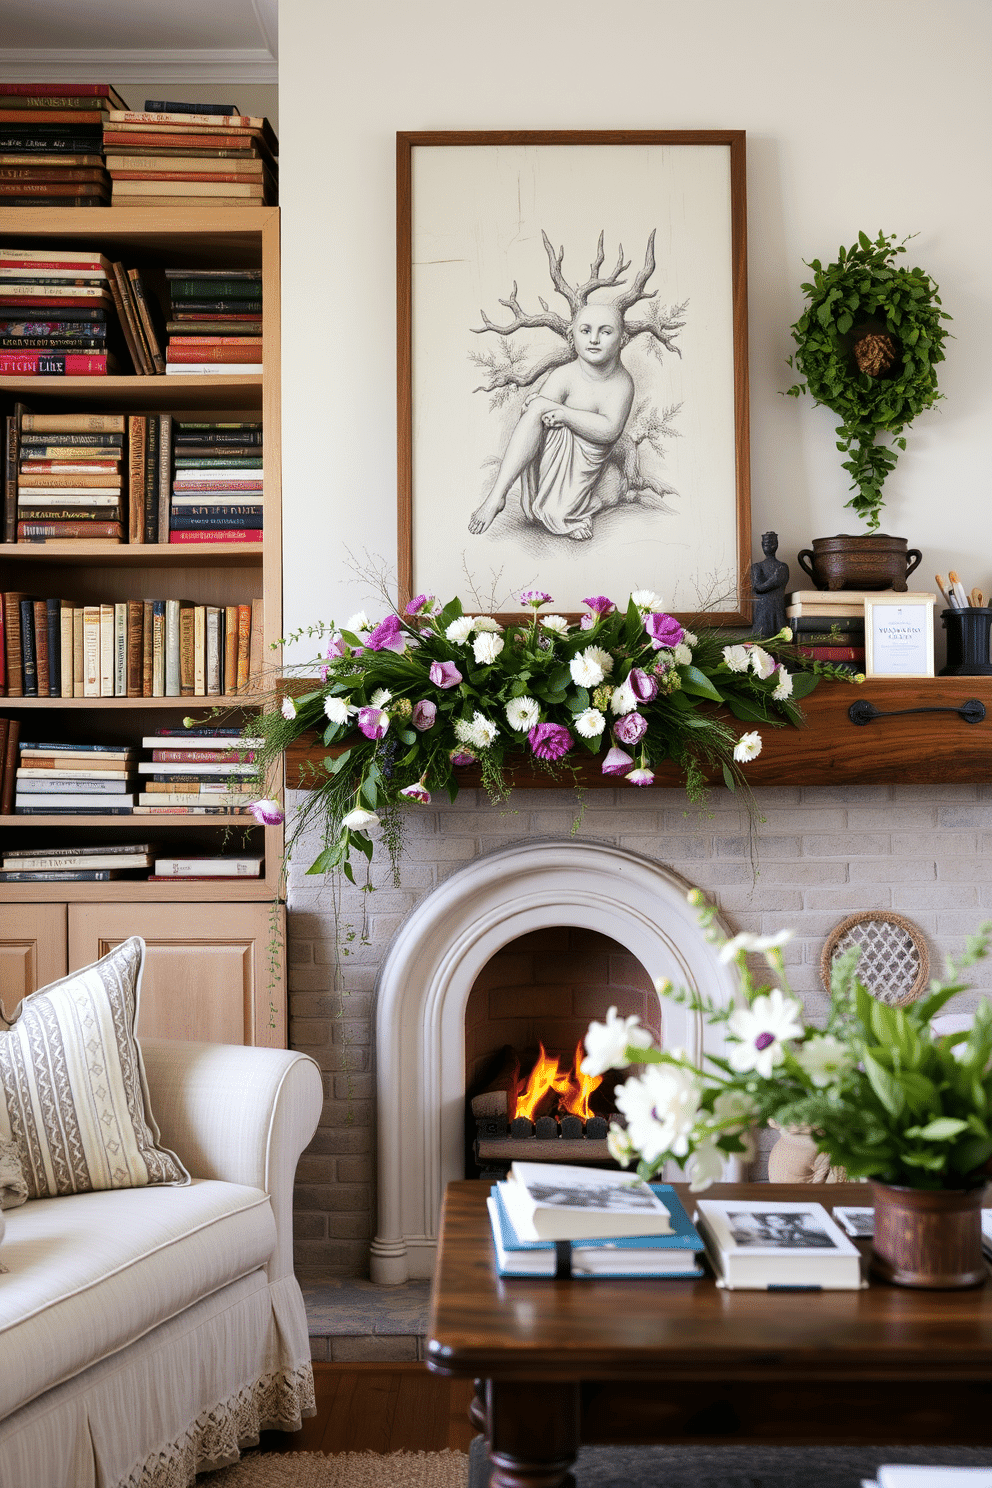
point(343, 1470)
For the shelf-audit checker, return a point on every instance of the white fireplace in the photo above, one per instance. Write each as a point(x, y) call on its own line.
point(429, 971)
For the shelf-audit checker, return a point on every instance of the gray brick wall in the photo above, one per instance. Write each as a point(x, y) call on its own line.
point(823, 853)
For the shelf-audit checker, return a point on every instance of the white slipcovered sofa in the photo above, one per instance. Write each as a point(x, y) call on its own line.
point(147, 1333)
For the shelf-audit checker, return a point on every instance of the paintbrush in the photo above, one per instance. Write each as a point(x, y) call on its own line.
point(946, 591)
point(958, 589)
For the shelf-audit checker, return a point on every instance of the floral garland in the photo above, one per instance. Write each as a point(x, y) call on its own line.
point(419, 695)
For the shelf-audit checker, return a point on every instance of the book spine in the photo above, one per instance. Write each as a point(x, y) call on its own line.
point(833, 653)
point(106, 650)
point(29, 666)
point(73, 423)
point(187, 662)
point(88, 528)
point(244, 645)
point(203, 756)
point(164, 475)
point(134, 138)
point(158, 648)
point(184, 119)
point(120, 650)
point(184, 520)
point(78, 669)
point(213, 649)
point(51, 343)
point(199, 651)
point(10, 479)
point(159, 106)
point(250, 482)
point(65, 648)
point(231, 650)
point(215, 440)
point(3, 665)
point(177, 354)
point(4, 726)
point(144, 315)
point(172, 618)
point(56, 478)
point(12, 633)
point(147, 648)
point(51, 364)
point(54, 618)
point(10, 767)
point(40, 618)
point(91, 651)
point(67, 514)
point(129, 321)
point(136, 478)
point(151, 479)
point(113, 283)
point(246, 534)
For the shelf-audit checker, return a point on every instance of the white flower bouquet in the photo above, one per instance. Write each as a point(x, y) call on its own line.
point(881, 1093)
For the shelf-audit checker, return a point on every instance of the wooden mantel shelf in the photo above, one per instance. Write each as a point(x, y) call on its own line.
point(917, 749)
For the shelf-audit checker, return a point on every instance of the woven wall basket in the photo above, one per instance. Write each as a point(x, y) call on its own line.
point(894, 963)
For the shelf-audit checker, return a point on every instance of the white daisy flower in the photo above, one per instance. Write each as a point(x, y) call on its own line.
point(762, 1030)
point(358, 623)
point(288, 709)
point(590, 724)
point(623, 699)
point(522, 713)
point(762, 663)
point(689, 638)
point(380, 698)
point(459, 630)
point(585, 670)
point(487, 647)
point(646, 599)
point(557, 624)
point(607, 1043)
point(339, 710)
point(783, 687)
point(736, 658)
point(477, 731)
point(748, 747)
point(483, 623)
point(661, 1107)
point(605, 660)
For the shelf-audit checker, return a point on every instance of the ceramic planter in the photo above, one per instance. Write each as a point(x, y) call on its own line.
point(850, 562)
point(929, 1238)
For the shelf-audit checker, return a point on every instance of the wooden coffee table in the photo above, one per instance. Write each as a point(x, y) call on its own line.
point(557, 1363)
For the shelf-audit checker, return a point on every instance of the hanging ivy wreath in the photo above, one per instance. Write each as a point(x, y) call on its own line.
point(869, 343)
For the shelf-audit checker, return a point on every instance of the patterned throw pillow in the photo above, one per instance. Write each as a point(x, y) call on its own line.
point(75, 1098)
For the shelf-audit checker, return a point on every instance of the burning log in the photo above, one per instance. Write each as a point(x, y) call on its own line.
point(546, 1129)
point(596, 1129)
point(521, 1126)
point(572, 1128)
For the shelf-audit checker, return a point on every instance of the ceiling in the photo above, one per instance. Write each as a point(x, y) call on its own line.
point(220, 40)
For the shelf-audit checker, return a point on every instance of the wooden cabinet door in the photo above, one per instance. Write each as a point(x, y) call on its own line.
point(32, 950)
point(207, 970)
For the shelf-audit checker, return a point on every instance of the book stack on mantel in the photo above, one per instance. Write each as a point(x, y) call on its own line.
point(215, 322)
point(70, 779)
point(96, 864)
point(197, 772)
point(60, 648)
point(550, 1219)
point(220, 868)
point(217, 488)
point(64, 477)
point(51, 144)
point(53, 313)
point(829, 625)
point(206, 154)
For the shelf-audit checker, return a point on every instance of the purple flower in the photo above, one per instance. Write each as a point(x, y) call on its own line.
point(664, 630)
point(424, 715)
point(462, 756)
point(535, 597)
point(617, 762)
point(336, 648)
point(587, 622)
point(642, 686)
point(600, 604)
point(445, 674)
point(417, 792)
point(387, 636)
point(630, 728)
point(641, 777)
point(373, 722)
point(550, 741)
point(423, 604)
point(267, 813)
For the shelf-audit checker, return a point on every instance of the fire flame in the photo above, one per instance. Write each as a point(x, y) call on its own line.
point(571, 1086)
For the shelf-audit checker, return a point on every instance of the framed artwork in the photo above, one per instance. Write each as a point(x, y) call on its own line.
point(572, 368)
point(898, 637)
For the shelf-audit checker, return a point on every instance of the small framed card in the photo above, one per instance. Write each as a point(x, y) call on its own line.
point(899, 635)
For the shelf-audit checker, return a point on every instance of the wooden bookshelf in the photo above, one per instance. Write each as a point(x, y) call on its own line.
point(69, 915)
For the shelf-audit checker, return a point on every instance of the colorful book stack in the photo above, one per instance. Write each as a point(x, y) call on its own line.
point(206, 154)
point(215, 321)
point(77, 864)
point(205, 870)
point(128, 648)
point(217, 488)
point(53, 313)
point(829, 625)
point(197, 772)
point(51, 144)
point(66, 479)
point(10, 737)
point(74, 779)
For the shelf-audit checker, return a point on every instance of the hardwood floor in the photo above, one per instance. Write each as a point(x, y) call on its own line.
point(381, 1408)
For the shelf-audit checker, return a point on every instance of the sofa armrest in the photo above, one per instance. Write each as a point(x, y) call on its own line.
point(240, 1114)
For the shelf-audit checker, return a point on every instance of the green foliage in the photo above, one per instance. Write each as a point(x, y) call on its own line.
point(864, 289)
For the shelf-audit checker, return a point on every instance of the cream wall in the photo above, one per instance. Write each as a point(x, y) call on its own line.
point(859, 114)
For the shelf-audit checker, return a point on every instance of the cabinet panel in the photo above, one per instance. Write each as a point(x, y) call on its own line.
point(206, 974)
point(32, 950)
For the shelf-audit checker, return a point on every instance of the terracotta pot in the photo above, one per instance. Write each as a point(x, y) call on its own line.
point(848, 562)
point(930, 1238)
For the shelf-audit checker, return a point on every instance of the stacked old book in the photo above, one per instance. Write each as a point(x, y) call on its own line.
point(217, 487)
point(51, 144)
point(53, 313)
point(65, 478)
point(77, 864)
point(197, 772)
point(218, 868)
point(74, 779)
point(829, 624)
point(53, 647)
point(205, 154)
point(215, 321)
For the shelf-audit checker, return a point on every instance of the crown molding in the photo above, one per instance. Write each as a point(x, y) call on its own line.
point(146, 65)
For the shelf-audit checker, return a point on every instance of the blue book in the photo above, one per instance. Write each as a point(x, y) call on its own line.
point(674, 1255)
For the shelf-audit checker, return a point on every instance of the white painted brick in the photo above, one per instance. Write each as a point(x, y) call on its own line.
point(944, 795)
point(934, 845)
point(771, 797)
point(802, 871)
point(782, 900)
point(768, 846)
point(892, 870)
point(933, 896)
point(887, 819)
point(957, 921)
point(809, 819)
point(847, 844)
point(308, 978)
point(849, 899)
point(964, 817)
point(818, 796)
point(720, 872)
point(965, 870)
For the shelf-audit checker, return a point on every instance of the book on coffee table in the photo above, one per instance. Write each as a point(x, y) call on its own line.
point(768, 1245)
point(554, 1201)
point(674, 1255)
point(906, 1476)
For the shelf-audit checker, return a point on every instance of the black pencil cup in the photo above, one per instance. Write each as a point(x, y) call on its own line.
point(968, 639)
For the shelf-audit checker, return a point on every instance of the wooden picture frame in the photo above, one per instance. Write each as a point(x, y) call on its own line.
point(898, 636)
point(651, 488)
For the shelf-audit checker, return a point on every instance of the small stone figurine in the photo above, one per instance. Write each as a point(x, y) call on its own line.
point(769, 578)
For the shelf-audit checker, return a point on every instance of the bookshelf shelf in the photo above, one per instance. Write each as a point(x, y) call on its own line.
point(86, 917)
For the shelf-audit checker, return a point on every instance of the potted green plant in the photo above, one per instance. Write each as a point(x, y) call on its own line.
point(868, 344)
point(883, 1096)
